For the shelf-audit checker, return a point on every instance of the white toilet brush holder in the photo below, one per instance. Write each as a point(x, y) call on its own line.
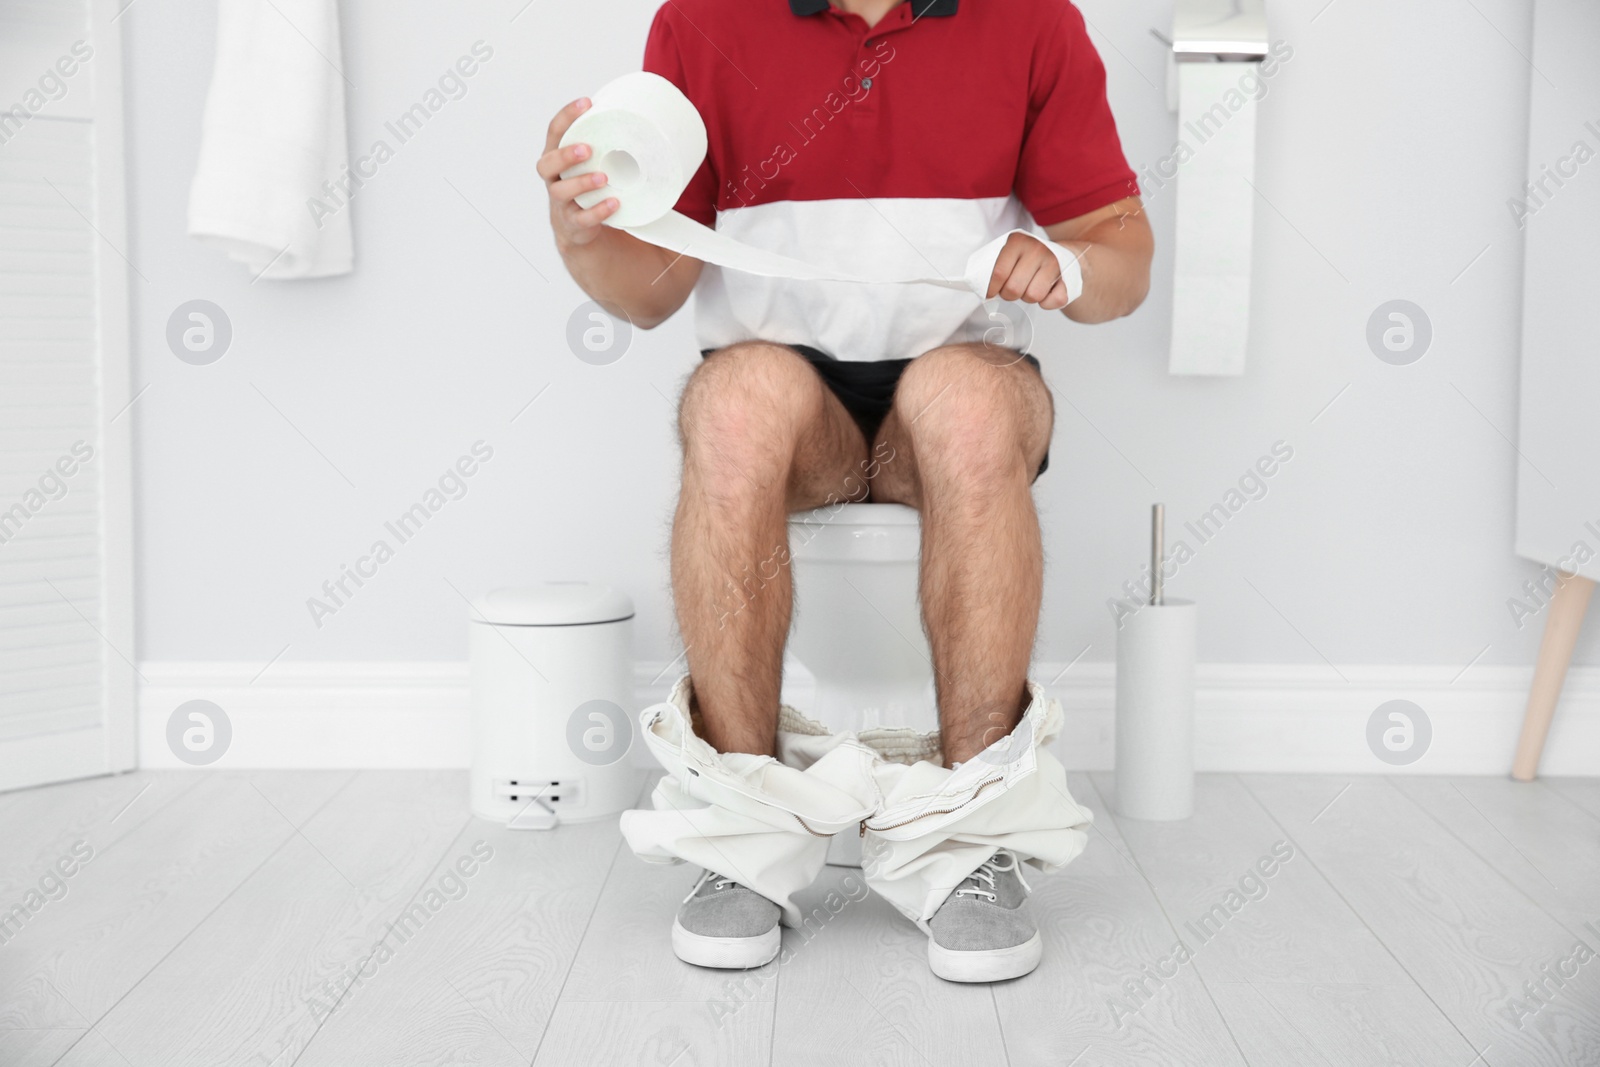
point(1155, 704)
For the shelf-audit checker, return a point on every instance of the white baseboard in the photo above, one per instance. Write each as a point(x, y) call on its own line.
point(1249, 717)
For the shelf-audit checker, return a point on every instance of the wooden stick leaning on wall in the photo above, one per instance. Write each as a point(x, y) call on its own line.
point(1567, 606)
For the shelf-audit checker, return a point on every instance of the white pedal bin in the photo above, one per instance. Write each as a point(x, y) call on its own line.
point(553, 716)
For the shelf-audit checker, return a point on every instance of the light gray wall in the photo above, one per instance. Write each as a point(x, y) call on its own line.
point(1389, 144)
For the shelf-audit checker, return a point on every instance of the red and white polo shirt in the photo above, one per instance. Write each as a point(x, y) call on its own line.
point(898, 148)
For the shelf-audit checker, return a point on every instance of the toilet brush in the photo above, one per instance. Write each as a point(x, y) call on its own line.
point(1155, 700)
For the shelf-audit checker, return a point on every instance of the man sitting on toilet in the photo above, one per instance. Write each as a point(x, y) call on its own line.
point(880, 137)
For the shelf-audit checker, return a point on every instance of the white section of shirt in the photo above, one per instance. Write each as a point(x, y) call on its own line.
point(866, 237)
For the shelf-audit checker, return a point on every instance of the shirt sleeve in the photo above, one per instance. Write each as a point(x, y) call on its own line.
point(662, 56)
point(1071, 161)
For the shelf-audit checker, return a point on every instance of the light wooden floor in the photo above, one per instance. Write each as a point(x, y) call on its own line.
point(243, 918)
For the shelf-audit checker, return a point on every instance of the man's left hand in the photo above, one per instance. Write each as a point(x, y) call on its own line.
point(1028, 271)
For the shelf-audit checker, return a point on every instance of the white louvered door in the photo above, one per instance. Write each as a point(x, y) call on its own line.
point(66, 606)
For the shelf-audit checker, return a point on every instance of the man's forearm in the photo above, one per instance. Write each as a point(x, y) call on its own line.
point(630, 277)
point(1114, 254)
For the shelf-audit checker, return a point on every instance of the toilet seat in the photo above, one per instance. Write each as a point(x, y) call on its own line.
point(858, 627)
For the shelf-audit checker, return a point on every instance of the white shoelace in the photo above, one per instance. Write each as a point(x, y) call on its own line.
point(988, 871)
point(721, 883)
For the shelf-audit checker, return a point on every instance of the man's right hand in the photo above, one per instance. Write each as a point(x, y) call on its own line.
point(574, 226)
point(626, 276)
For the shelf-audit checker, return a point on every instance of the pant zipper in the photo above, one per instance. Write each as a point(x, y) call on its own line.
point(985, 784)
point(808, 829)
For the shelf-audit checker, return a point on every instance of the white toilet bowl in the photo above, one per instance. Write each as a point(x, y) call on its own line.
point(858, 628)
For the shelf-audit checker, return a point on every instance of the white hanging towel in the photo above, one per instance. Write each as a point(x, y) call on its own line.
point(269, 187)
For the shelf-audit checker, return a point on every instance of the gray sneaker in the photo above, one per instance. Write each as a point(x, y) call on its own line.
point(983, 931)
point(723, 924)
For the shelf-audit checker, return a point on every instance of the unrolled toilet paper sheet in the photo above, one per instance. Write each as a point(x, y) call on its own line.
point(649, 140)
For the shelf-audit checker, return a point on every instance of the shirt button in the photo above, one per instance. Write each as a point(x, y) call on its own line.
point(866, 83)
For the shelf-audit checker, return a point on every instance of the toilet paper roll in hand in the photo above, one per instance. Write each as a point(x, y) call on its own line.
point(648, 140)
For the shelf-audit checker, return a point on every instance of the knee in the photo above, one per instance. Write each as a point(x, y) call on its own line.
point(748, 403)
point(975, 413)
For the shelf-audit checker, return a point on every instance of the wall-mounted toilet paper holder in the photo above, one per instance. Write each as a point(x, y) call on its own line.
point(1213, 31)
point(1229, 31)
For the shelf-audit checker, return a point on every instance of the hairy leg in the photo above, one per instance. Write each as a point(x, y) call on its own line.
point(762, 436)
point(969, 427)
